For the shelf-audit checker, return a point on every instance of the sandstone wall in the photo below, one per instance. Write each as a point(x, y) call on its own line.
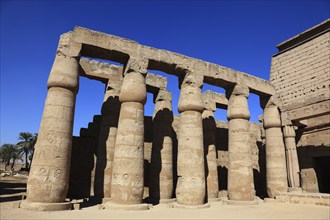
point(300, 73)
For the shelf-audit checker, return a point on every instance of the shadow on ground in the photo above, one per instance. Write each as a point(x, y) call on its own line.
point(11, 190)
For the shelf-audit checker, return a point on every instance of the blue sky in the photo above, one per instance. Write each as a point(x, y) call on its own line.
point(238, 34)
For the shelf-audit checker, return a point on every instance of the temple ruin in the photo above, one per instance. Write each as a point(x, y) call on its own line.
point(126, 160)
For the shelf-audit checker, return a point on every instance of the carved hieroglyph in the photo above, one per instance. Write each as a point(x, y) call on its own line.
point(191, 176)
point(128, 172)
point(48, 181)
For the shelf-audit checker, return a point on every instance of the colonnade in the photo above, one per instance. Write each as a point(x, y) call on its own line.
point(122, 164)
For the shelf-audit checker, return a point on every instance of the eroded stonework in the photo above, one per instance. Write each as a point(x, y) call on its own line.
point(126, 160)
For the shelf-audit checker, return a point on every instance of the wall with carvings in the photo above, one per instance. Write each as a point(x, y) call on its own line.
point(300, 73)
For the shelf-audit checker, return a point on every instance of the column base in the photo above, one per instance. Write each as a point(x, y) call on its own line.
point(130, 207)
point(214, 199)
point(105, 200)
point(167, 200)
point(182, 206)
point(236, 202)
point(38, 206)
point(295, 189)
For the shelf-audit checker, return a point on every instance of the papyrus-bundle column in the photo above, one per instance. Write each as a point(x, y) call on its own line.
point(275, 151)
point(240, 171)
point(48, 181)
point(161, 166)
point(291, 157)
point(128, 172)
point(106, 144)
point(209, 129)
point(191, 174)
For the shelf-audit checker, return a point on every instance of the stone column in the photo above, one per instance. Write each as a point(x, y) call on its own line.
point(48, 181)
point(275, 151)
point(190, 191)
point(161, 165)
point(104, 162)
point(128, 171)
point(292, 158)
point(240, 171)
point(209, 128)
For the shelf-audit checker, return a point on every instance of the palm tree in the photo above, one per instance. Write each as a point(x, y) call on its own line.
point(25, 145)
point(33, 143)
point(8, 152)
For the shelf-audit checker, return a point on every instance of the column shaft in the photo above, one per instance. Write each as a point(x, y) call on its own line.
point(106, 146)
point(209, 128)
point(127, 176)
point(191, 177)
point(291, 156)
point(161, 165)
point(128, 171)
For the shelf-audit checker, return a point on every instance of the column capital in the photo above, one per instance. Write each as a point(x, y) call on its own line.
point(191, 94)
point(137, 64)
point(288, 131)
point(133, 88)
point(64, 73)
point(238, 105)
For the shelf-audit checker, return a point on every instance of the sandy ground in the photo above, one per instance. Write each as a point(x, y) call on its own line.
point(12, 188)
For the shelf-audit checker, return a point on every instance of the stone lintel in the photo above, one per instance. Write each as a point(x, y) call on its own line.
point(100, 71)
point(112, 74)
point(155, 83)
point(213, 100)
point(309, 111)
point(169, 62)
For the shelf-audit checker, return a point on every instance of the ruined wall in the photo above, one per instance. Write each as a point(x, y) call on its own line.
point(300, 73)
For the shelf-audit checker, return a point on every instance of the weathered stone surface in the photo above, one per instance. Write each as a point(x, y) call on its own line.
point(209, 129)
point(240, 171)
point(276, 171)
point(161, 166)
point(49, 176)
point(309, 180)
point(168, 61)
point(106, 144)
point(191, 176)
point(291, 156)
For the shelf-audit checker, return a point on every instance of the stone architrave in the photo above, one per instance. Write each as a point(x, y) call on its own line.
point(161, 165)
point(128, 164)
point(275, 151)
point(108, 132)
point(209, 128)
point(291, 156)
point(190, 189)
point(240, 170)
point(48, 181)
